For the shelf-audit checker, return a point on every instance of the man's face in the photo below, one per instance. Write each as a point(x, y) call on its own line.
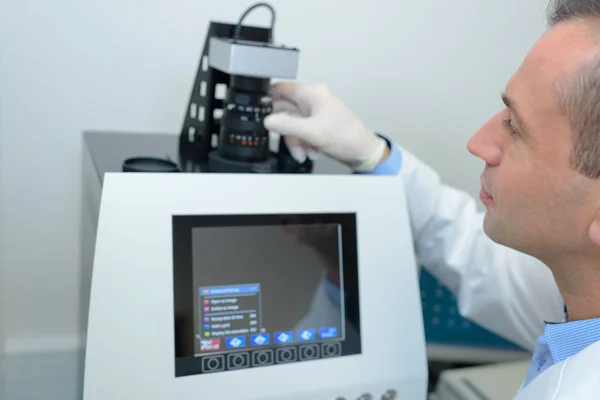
point(536, 202)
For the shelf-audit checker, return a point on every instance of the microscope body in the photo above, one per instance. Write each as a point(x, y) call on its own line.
point(200, 288)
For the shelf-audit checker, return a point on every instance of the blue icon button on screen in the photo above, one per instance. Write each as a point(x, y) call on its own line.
point(283, 337)
point(308, 334)
point(236, 342)
point(328, 333)
point(260, 339)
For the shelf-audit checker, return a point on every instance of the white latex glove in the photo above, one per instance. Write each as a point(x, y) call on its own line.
point(311, 118)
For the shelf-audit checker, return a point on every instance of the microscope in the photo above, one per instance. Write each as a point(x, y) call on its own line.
point(223, 127)
point(227, 270)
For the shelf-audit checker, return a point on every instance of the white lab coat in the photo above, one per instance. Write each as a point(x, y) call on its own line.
point(505, 291)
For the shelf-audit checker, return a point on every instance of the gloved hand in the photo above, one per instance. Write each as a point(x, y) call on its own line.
point(310, 118)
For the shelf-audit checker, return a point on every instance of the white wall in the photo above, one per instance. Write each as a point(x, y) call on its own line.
point(435, 71)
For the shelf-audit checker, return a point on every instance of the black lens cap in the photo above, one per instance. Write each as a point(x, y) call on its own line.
point(149, 164)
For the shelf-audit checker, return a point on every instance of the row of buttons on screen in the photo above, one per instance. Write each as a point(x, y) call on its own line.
point(262, 358)
point(263, 339)
point(390, 394)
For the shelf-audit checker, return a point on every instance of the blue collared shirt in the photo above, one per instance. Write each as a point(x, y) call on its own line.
point(559, 341)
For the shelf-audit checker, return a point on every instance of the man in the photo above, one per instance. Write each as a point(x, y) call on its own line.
point(535, 253)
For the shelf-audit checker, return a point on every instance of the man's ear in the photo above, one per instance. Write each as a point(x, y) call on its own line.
point(594, 229)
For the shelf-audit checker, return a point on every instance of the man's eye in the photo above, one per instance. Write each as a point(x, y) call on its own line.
point(508, 126)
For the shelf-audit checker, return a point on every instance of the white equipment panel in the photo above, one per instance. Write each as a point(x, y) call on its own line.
point(132, 345)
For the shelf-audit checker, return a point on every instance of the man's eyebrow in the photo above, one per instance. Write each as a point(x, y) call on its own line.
point(510, 104)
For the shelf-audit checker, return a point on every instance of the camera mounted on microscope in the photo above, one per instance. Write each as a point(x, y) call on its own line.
point(223, 129)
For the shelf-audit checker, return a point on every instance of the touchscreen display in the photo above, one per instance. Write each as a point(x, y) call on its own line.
point(259, 290)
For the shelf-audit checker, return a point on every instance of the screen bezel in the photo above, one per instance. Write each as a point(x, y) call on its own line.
point(183, 268)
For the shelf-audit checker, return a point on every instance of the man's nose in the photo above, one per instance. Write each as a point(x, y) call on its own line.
point(487, 144)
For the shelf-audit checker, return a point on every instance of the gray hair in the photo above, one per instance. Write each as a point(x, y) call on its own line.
point(579, 91)
point(563, 10)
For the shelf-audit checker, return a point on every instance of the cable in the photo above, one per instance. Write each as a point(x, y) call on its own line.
point(238, 27)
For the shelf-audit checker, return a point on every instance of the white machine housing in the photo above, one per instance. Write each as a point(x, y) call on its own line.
point(130, 341)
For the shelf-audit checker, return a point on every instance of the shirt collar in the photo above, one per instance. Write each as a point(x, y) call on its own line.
point(569, 338)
